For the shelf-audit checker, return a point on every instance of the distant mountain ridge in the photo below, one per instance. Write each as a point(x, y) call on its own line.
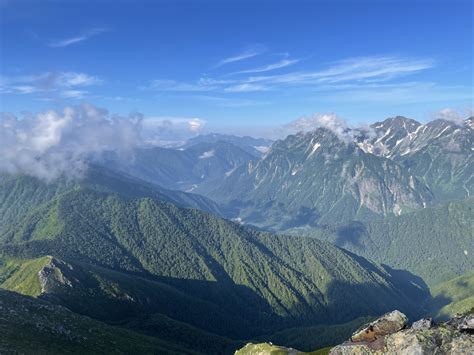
point(439, 152)
point(254, 146)
point(186, 169)
point(324, 176)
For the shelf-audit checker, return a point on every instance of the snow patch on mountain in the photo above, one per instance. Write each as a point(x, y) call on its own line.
point(208, 154)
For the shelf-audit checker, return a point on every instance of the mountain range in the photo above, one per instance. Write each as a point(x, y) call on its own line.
point(187, 168)
point(202, 248)
point(322, 177)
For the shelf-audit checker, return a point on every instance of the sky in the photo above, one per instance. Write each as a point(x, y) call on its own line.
point(238, 66)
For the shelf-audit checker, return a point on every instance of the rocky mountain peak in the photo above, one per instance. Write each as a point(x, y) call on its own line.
point(397, 123)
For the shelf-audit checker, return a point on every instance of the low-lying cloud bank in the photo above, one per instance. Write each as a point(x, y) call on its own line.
point(51, 144)
point(56, 143)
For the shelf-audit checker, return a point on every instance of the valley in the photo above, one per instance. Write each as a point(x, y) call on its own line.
point(273, 248)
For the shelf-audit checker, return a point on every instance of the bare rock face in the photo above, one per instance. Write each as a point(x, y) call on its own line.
point(55, 274)
point(463, 323)
point(425, 323)
point(387, 324)
point(387, 336)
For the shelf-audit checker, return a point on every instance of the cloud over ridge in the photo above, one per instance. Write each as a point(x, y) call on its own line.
point(59, 143)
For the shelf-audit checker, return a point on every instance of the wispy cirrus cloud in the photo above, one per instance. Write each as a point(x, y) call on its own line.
point(245, 54)
point(273, 66)
point(246, 87)
point(393, 93)
point(65, 42)
point(173, 85)
point(229, 102)
point(74, 94)
point(65, 84)
point(366, 69)
point(361, 71)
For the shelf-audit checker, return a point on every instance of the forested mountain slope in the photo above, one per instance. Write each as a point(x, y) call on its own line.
point(262, 282)
point(21, 194)
point(435, 243)
point(453, 296)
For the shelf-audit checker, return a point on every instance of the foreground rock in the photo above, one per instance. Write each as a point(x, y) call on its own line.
point(387, 336)
point(387, 324)
point(266, 349)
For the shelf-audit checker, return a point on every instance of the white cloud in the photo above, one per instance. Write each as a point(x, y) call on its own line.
point(68, 41)
point(24, 89)
point(373, 68)
point(229, 101)
point(195, 124)
point(172, 85)
point(77, 79)
point(245, 88)
point(73, 94)
point(454, 115)
point(281, 64)
point(392, 93)
point(321, 120)
point(246, 54)
point(330, 121)
point(63, 83)
point(365, 69)
point(76, 39)
point(53, 143)
point(170, 131)
point(363, 72)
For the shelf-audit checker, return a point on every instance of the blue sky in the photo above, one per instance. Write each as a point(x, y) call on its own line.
point(244, 64)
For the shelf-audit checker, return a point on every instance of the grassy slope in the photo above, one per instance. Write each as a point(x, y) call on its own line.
point(22, 275)
point(453, 296)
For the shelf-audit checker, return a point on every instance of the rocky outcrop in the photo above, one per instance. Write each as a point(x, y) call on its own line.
point(425, 323)
point(55, 274)
point(266, 349)
point(387, 335)
point(387, 324)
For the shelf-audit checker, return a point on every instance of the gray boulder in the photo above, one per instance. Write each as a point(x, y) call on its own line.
point(425, 323)
point(424, 337)
point(387, 324)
